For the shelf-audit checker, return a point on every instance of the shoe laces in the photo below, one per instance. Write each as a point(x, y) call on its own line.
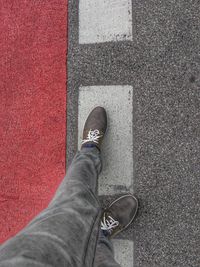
point(93, 136)
point(108, 224)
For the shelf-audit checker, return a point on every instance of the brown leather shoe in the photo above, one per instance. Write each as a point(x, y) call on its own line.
point(95, 128)
point(119, 215)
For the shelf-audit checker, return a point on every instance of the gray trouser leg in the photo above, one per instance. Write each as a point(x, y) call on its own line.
point(66, 233)
point(105, 253)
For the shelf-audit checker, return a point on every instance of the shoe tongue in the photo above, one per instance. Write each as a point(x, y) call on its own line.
point(113, 215)
point(109, 213)
point(117, 227)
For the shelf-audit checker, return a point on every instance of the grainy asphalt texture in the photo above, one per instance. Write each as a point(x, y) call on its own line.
point(162, 63)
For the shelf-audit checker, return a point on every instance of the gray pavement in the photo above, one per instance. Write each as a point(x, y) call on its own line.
point(162, 64)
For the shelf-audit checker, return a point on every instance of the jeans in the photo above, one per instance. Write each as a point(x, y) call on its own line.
point(67, 232)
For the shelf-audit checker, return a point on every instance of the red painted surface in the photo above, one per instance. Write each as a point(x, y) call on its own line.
point(32, 108)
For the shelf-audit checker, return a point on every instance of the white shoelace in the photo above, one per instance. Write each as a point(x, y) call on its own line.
point(108, 224)
point(93, 136)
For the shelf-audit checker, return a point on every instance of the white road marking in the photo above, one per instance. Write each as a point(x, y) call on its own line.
point(124, 252)
point(117, 148)
point(105, 21)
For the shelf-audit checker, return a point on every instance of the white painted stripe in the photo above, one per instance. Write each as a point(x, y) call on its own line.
point(105, 20)
point(117, 148)
point(123, 250)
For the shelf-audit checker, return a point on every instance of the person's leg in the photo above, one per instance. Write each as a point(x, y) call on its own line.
point(65, 234)
point(105, 254)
